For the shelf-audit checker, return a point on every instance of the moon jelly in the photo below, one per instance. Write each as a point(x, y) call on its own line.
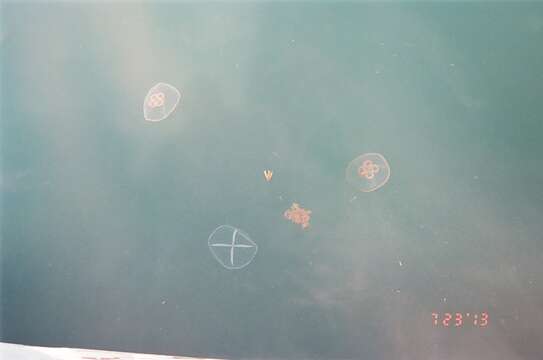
point(231, 247)
point(160, 102)
point(368, 172)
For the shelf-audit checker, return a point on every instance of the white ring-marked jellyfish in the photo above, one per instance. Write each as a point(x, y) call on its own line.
point(160, 102)
point(368, 172)
point(231, 247)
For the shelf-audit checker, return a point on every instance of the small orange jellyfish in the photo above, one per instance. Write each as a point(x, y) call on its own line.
point(268, 175)
point(298, 215)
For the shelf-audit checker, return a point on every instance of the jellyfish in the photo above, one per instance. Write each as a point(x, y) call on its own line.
point(231, 247)
point(160, 101)
point(368, 172)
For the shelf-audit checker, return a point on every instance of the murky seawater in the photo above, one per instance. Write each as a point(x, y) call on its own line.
point(106, 217)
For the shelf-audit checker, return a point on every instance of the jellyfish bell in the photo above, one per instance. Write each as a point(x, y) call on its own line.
point(368, 172)
point(231, 247)
point(160, 101)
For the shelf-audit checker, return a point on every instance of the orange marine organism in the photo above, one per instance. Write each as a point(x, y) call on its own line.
point(268, 175)
point(298, 215)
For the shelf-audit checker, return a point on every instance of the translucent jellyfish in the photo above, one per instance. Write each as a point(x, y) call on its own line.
point(160, 102)
point(231, 247)
point(368, 172)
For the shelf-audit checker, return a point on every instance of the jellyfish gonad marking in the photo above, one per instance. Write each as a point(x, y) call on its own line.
point(298, 215)
point(232, 246)
point(368, 169)
point(156, 100)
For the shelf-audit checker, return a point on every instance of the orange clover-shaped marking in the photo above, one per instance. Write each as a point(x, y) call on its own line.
point(156, 100)
point(368, 169)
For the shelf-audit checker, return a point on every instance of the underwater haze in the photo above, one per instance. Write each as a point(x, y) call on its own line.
point(108, 219)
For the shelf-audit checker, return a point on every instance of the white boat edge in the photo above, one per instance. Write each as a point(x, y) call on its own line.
point(9, 351)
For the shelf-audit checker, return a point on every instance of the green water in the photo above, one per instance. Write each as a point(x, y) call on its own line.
point(106, 217)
